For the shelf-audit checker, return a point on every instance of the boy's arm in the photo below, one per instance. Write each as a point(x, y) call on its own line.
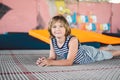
point(52, 54)
point(73, 48)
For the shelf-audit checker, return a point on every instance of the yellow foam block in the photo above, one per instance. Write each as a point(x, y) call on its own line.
point(83, 36)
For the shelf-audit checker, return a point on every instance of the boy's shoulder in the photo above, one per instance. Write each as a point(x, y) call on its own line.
point(74, 38)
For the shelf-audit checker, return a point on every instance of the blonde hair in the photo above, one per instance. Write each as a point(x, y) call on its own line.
point(61, 19)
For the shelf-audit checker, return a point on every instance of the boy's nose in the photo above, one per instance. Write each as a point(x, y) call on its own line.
point(58, 28)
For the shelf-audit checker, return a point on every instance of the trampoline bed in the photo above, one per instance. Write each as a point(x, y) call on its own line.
point(20, 65)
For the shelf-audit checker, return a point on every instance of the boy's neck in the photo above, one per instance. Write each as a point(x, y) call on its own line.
point(61, 40)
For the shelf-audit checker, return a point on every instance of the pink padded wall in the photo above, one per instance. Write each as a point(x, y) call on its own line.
point(116, 17)
point(22, 17)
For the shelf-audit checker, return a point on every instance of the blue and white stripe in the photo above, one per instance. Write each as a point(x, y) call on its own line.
point(82, 54)
point(63, 51)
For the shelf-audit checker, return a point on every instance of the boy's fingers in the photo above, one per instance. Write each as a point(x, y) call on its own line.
point(38, 62)
point(41, 64)
point(42, 58)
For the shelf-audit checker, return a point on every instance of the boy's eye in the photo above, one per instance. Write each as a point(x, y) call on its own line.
point(54, 27)
point(61, 26)
point(57, 26)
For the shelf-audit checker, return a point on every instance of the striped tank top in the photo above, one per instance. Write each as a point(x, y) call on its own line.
point(81, 58)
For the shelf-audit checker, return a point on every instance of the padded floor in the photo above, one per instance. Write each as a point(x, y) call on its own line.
point(83, 36)
point(20, 65)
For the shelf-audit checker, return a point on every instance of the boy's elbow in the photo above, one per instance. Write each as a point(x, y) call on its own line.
point(70, 63)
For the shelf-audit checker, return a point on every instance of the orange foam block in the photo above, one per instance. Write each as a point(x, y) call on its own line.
point(83, 36)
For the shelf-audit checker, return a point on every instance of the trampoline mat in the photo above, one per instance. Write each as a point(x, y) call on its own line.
point(20, 65)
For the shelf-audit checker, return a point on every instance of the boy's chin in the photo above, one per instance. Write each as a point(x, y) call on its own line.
point(59, 36)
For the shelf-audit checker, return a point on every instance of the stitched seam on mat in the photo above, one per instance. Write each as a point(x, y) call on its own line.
point(56, 71)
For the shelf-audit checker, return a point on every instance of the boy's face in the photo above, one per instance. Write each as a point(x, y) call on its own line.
point(58, 29)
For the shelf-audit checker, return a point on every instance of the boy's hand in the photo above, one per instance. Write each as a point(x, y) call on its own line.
point(43, 61)
point(39, 61)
